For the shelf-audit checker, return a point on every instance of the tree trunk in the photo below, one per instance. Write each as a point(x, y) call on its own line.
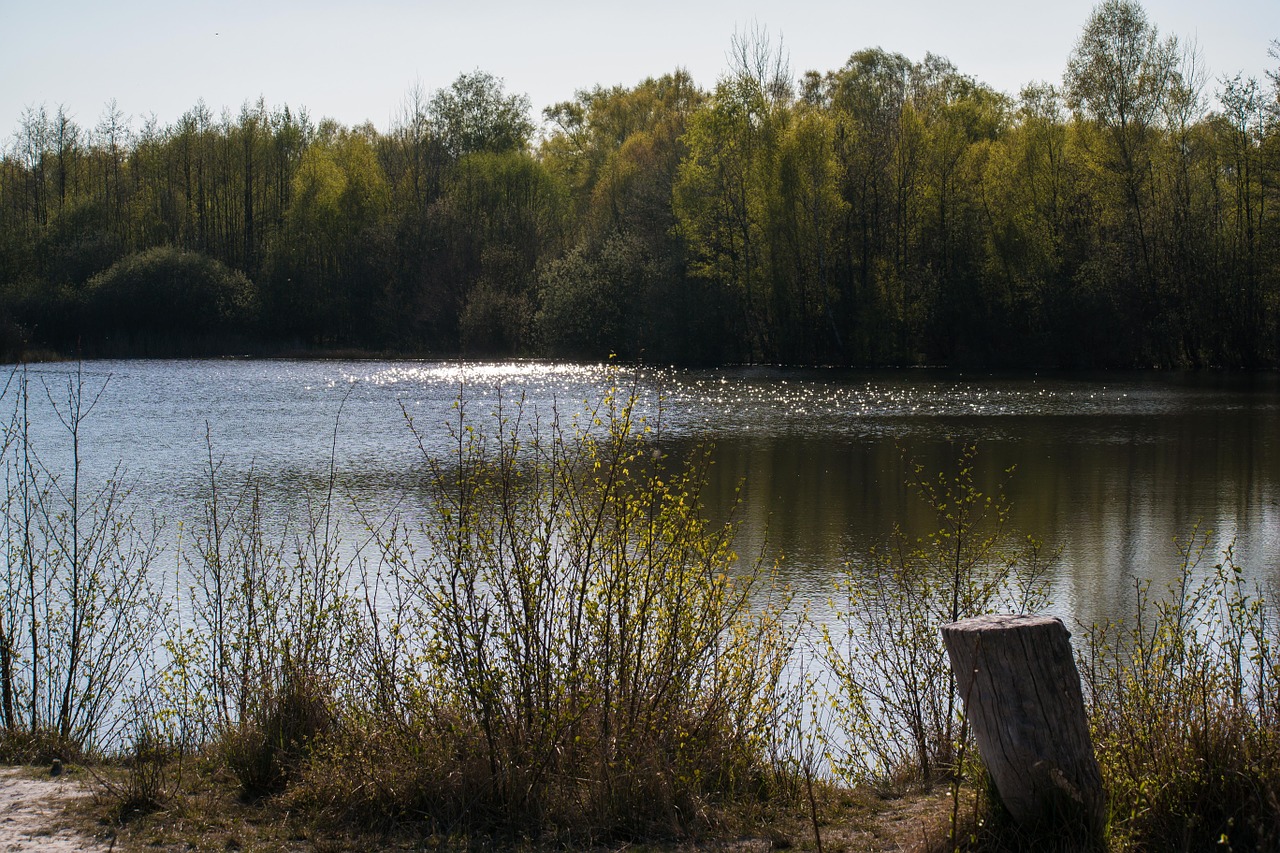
point(1021, 690)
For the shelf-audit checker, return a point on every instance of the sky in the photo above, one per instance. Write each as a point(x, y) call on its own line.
point(356, 62)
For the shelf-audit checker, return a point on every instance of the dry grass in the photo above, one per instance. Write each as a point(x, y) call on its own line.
point(22, 746)
point(209, 814)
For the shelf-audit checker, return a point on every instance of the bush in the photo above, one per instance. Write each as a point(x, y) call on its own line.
point(266, 749)
point(494, 321)
point(151, 765)
point(268, 628)
point(583, 652)
point(589, 300)
point(167, 292)
point(1186, 715)
point(78, 613)
point(38, 314)
point(581, 308)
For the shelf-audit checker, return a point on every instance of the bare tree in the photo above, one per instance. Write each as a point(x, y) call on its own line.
point(758, 63)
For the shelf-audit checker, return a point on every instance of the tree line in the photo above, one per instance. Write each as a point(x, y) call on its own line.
point(886, 212)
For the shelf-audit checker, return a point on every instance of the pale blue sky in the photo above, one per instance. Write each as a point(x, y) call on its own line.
point(355, 62)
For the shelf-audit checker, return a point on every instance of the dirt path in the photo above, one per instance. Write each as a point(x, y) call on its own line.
point(31, 814)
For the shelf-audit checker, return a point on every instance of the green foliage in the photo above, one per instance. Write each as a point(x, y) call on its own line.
point(809, 212)
point(617, 152)
point(474, 115)
point(886, 212)
point(582, 307)
point(323, 276)
point(1184, 713)
point(1120, 70)
point(504, 213)
point(168, 292)
point(894, 694)
point(37, 312)
point(495, 321)
point(625, 286)
point(721, 199)
point(591, 301)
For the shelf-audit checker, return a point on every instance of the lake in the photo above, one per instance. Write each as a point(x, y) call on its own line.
point(1109, 468)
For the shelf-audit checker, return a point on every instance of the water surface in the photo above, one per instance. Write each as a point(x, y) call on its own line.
point(1110, 468)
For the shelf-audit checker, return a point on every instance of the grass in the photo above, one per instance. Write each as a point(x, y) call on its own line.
point(208, 813)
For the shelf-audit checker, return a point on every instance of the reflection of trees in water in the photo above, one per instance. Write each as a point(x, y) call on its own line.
point(1112, 494)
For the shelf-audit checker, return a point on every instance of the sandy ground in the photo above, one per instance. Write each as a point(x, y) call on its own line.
point(30, 814)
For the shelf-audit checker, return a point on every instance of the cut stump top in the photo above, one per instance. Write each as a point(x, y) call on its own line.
point(998, 621)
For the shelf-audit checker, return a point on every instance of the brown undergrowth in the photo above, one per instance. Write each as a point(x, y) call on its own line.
point(208, 812)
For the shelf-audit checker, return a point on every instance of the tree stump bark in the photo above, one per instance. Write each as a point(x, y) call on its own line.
point(1021, 690)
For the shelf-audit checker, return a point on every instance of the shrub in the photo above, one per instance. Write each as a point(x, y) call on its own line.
point(151, 763)
point(265, 749)
point(77, 611)
point(590, 300)
point(1185, 714)
point(586, 658)
point(894, 693)
point(255, 664)
point(170, 292)
point(495, 320)
point(581, 307)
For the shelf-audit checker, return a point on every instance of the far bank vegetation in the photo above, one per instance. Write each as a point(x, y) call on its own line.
point(889, 211)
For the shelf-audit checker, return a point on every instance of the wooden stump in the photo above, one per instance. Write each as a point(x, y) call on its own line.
point(1021, 690)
